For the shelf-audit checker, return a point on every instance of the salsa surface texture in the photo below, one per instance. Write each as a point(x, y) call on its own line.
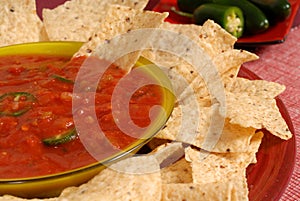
point(36, 94)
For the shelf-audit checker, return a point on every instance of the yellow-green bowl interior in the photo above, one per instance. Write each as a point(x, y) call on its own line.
point(52, 185)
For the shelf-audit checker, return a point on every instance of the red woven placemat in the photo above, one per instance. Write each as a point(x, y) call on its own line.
point(281, 63)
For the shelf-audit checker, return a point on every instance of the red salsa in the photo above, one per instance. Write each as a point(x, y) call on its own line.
point(37, 129)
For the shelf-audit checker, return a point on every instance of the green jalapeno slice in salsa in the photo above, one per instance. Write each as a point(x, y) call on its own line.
point(16, 103)
point(61, 138)
point(62, 79)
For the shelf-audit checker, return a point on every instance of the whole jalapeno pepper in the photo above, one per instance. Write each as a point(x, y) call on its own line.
point(275, 10)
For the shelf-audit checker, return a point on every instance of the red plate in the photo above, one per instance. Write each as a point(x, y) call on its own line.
point(275, 34)
point(268, 178)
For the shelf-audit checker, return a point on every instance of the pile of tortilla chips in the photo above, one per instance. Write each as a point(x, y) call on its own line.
point(179, 167)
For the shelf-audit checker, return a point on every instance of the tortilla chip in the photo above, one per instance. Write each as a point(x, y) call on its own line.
point(184, 57)
point(179, 71)
point(235, 189)
point(192, 31)
point(228, 169)
point(256, 112)
point(77, 20)
point(214, 34)
point(178, 172)
point(217, 167)
point(120, 20)
point(156, 142)
point(183, 129)
point(254, 145)
point(196, 130)
point(19, 22)
point(229, 63)
point(210, 37)
point(114, 35)
point(121, 182)
point(176, 63)
point(186, 81)
point(168, 153)
point(234, 138)
point(260, 88)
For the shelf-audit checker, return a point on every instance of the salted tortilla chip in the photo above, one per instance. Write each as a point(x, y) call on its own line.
point(183, 129)
point(19, 22)
point(256, 112)
point(214, 34)
point(254, 145)
point(156, 142)
point(217, 167)
point(228, 169)
point(178, 172)
point(175, 168)
point(187, 127)
point(114, 37)
point(77, 20)
point(229, 63)
point(186, 81)
point(195, 127)
point(191, 31)
point(168, 153)
point(260, 88)
point(121, 182)
point(183, 57)
point(234, 138)
point(120, 20)
point(235, 189)
point(180, 72)
point(210, 37)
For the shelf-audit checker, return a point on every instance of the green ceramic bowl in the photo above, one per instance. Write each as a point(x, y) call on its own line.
point(52, 185)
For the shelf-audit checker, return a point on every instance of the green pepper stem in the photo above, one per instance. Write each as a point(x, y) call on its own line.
point(184, 14)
